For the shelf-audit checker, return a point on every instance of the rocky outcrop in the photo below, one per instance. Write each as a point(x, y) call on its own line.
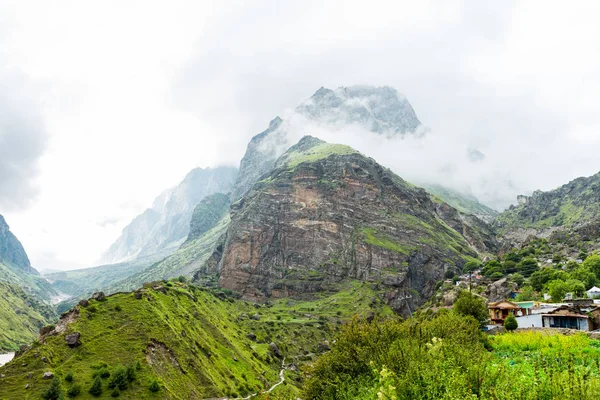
point(327, 213)
point(73, 339)
point(500, 290)
point(207, 214)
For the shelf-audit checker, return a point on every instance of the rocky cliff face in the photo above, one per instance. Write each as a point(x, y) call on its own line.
point(570, 207)
point(12, 253)
point(164, 227)
point(327, 213)
point(381, 110)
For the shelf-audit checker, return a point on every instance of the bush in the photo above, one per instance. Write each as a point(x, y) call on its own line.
point(118, 378)
point(96, 389)
point(115, 393)
point(74, 391)
point(54, 391)
point(103, 373)
point(510, 323)
point(154, 386)
point(468, 304)
point(69, 376)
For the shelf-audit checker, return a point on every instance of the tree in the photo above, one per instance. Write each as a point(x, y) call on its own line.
point(472, 265)
point(558, 289)
point(512, 256)
point(118, 378)
point(449, 274)
point(468, 304)
point(585, 275)
point(497, 276)
point(154, 386)
point(518, 279)
point(593, 263)
point(527, 294)
point(577, 287)
point(527, 266)
point(509, 267)
point(54, 391)
point(539, 278)
point(96, 389)
point(510, 323)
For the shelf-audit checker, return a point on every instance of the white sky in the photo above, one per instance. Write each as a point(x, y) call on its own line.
point(106, 104)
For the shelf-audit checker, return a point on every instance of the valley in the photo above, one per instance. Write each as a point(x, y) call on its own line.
point(314, 272)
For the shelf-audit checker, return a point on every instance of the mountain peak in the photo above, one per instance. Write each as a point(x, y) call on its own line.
point(379, 109)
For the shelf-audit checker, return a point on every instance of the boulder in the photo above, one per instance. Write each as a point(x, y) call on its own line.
point(84, 303)
point(137, 295)
point(275, 350)
point(48, 375)
point(256, 317)
point(99, 296)
point(73, 339)
point(500, 290)
point(251, 336)
point(46, 330)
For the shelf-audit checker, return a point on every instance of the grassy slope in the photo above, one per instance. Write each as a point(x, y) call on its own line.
point(208, 352)
point(296, 156)
point(570, 205)
point(33, 284)
point(465, 204)
point(20, 317)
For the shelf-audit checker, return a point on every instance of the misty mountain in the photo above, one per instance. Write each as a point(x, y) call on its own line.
point(573, 206)
point(164, 227)
point(378, 110)
point(464, 203)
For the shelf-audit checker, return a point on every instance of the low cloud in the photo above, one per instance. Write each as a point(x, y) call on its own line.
point(23, 139)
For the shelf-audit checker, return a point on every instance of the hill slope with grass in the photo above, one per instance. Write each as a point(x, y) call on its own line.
point(21, 317)
point(571, 206)
point(183, 341)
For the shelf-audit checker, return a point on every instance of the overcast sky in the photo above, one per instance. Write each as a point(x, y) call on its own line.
point(106, 104)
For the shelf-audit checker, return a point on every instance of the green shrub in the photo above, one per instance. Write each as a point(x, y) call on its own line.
point(468, 304)
point(154, 386)
point(96, 388)
point(54, 391)
point(510, 323)
point(69, 376)
point(115, 393)
point(74, 391)
point(118, 379)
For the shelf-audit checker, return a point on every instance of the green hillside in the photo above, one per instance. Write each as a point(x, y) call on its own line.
point(194, 343)
point(21, 317)
point(569, 206)
point(464, 203)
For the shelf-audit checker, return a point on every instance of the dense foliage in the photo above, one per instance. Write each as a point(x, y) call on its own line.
point(447, 357)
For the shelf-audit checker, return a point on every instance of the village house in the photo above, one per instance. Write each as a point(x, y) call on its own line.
point(573, 316)
point(594, 292)
point(502, 309)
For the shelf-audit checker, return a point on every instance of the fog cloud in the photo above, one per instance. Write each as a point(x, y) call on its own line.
point(22, 141)
point(476, 73)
